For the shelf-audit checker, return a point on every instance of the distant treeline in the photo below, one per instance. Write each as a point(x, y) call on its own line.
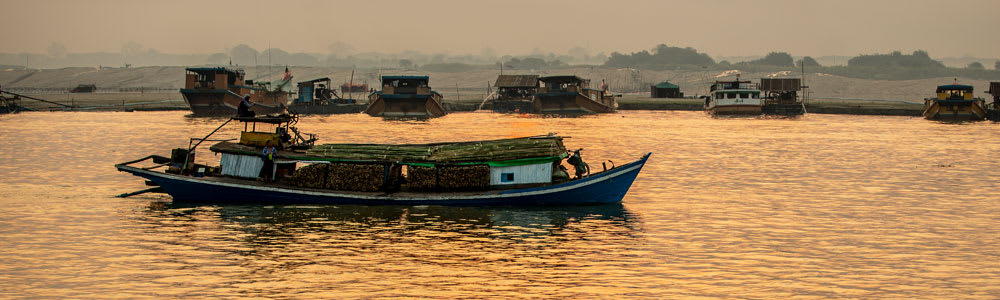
point(895, 65)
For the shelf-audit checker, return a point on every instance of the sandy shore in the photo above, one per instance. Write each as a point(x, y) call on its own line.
point(108, 101)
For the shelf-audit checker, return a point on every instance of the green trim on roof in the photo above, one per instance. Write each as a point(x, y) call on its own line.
point(667, 85)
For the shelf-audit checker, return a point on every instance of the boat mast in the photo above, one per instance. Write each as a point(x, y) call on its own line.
point(350, 87)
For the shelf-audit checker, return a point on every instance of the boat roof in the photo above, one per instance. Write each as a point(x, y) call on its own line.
point(395, 77)
point(540, 148)
point(515, 81)
point(270, 119)
point(210, 69)
point(666, 85)
point(314, 80)
point(952, 87)
point(562, 78)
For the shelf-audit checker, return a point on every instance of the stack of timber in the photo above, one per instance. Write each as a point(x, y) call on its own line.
point(311, 176)
point(444, 153)
point(346, 176)
point(469, 177)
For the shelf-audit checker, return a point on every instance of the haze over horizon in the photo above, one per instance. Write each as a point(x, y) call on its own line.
point(719, 28)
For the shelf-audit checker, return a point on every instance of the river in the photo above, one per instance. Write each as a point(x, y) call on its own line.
point(822, 206)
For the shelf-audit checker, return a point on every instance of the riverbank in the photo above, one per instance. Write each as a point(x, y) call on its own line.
point(107, 102)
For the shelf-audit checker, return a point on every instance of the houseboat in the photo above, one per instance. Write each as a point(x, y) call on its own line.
point(955, 102)
point(526, 171)
point(571, 95)
point(405, 97)
point(733, 98)
point(781, 96)
point(315, 97)
point(217, 91)
point(514, 93)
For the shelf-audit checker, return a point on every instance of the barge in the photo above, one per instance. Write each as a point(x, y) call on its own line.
point(217, 91)
point(571, 95)
point(405, 97)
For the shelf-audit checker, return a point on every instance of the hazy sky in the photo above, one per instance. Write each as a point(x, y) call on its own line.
point(719, 28)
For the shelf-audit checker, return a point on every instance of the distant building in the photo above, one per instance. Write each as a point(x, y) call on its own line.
point(665, 90)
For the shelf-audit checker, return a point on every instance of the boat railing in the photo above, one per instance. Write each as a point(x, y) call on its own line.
point(191, 148)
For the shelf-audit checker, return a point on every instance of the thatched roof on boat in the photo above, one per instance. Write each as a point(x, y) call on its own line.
point(517, 81)
point(446, 153)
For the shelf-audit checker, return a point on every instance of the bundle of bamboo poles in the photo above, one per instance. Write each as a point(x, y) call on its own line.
point(479, 151)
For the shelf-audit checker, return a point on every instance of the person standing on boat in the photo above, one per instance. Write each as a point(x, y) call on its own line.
point(268, 168)
point(244, 109)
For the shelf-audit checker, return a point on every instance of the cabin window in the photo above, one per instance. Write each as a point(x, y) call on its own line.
point(744, 95)
point(731, 95)
point(506, 177)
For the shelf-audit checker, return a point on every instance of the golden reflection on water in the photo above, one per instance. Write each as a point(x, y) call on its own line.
point(823, 206)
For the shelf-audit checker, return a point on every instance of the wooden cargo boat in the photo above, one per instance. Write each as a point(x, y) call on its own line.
point(514, 94)
point(733, 98)
point(519, 171)
point(405, 97)
point(781, 96)
point(317, 98)
point(955, 102)
point(217, 91)
point(571, 95)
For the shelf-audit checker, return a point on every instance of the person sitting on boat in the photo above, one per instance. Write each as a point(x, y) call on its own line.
point(244, 109)
point(268, 168)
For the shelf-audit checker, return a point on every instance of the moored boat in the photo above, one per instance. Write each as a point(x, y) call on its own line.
point(315, 97)
point(217, 91)
point(571, 95)
point(993, 108)
point(405, 97)
point(514, 93)
point(515, 171)
point(955, 102)
point(733, 98)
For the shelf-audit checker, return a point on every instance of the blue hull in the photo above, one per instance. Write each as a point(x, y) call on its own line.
point(601, 188)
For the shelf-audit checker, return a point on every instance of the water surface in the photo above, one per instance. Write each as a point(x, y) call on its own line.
point(823, 206)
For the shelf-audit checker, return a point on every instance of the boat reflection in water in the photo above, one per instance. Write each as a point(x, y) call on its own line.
point(493, 222)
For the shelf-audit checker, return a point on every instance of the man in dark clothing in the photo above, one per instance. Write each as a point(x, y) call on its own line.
point(244, 109)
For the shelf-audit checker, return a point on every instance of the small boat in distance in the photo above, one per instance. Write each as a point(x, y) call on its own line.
point(525, 171)
point(317, 98)
point(955, 102)
point(514, 93)
point(733, 98)
point(405, 97)
point(571, 95)
point(217, 91)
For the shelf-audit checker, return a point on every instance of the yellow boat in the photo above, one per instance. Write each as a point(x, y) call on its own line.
point(955, 102)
